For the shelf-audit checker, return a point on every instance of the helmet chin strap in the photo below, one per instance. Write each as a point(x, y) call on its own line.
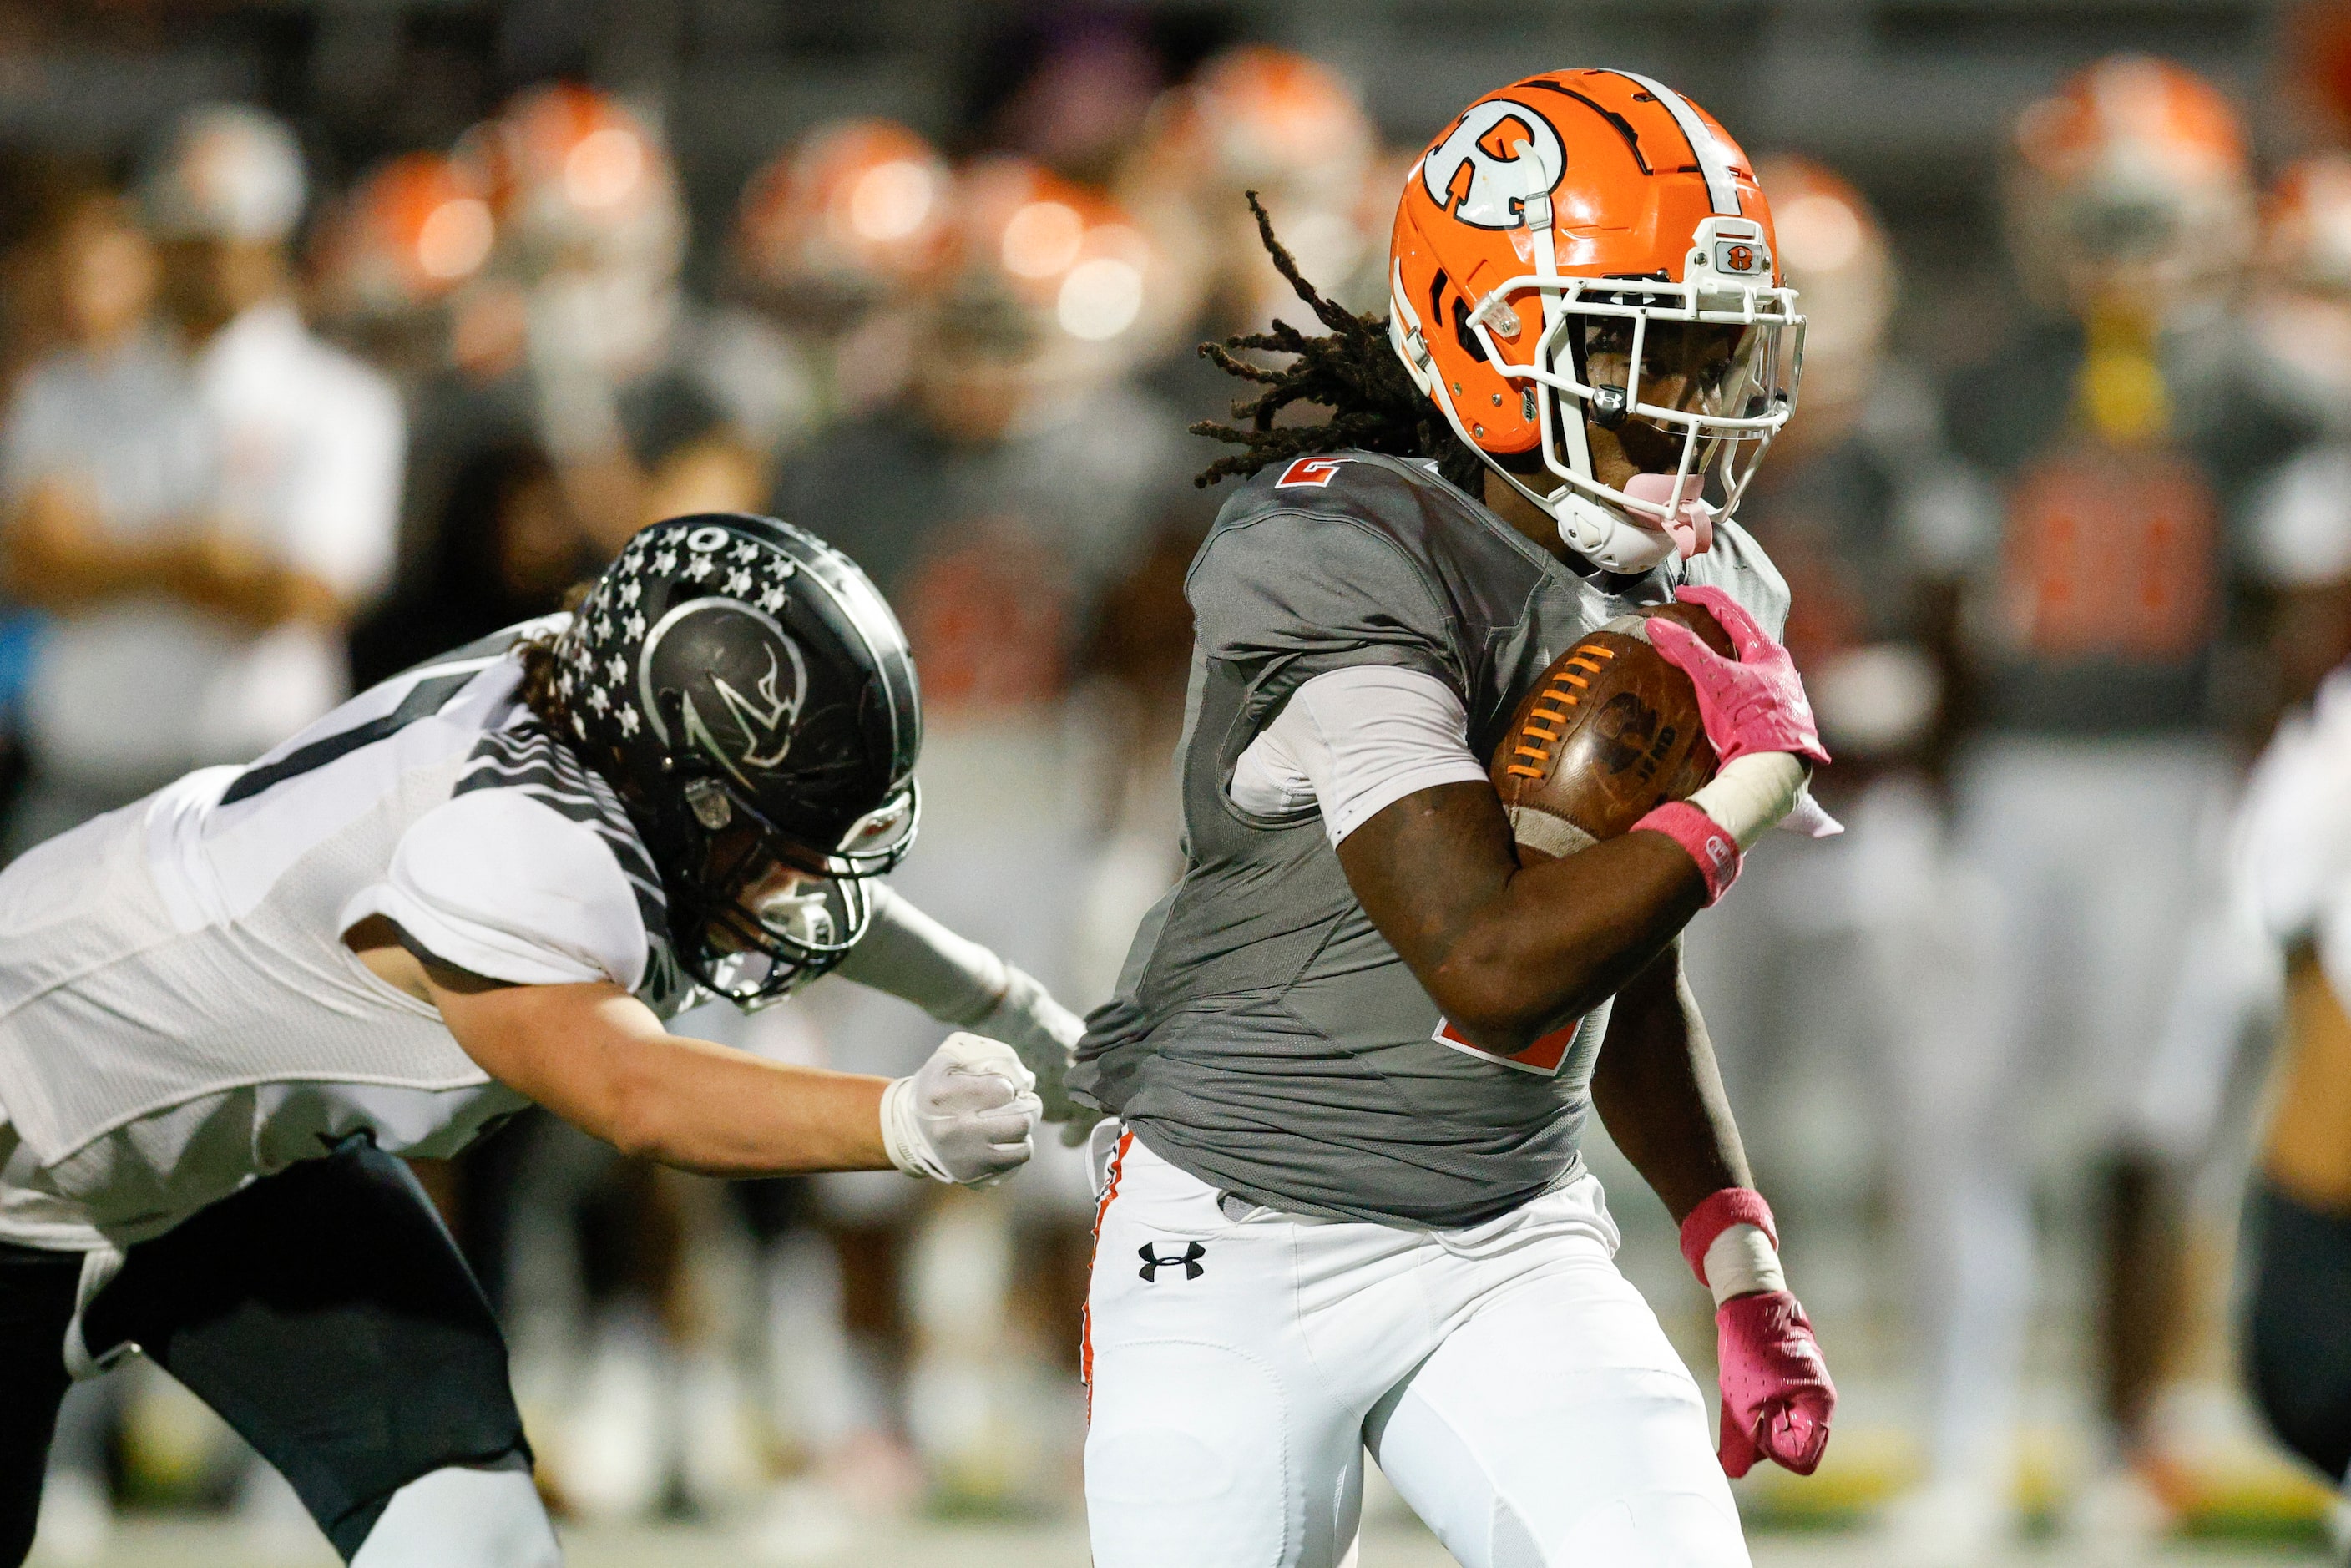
point(1605, 537)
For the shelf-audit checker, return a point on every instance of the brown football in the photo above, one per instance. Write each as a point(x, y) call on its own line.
point(1606, 734)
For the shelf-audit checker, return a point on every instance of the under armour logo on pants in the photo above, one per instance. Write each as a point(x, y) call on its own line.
point(1188, 1259)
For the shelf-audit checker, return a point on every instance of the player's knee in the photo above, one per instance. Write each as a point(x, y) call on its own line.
point(1654, 1529)
point(463, 1518)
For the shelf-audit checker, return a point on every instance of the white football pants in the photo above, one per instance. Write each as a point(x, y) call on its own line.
point(1513, 1387)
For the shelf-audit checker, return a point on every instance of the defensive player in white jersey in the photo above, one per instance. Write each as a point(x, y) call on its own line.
point(1353, 1051)
point(226, 1007)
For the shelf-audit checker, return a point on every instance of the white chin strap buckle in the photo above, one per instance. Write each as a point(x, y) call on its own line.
point(1607, 538)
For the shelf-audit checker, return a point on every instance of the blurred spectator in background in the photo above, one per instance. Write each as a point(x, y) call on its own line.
point(203, 506)
point(1819, 982)
point(834, 242)
point(1292, 130)
point(2093, 763)
point(1019, 476)
point(506, 550)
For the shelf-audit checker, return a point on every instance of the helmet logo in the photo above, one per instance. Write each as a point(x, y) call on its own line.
point(771, 710)
point(733, 678)
point(1490, 166)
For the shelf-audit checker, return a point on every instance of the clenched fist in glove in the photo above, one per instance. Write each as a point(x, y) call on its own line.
point(957, 981)
point(1776, 1394)
point(966, 1116)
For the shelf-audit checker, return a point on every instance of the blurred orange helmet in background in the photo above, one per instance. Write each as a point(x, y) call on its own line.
point(857, 207)
point(1833, 253)
point(1063, 255)
point(1277, 122)
point(2301, 312)
point(577, 179)
point(2130, 185)
point(1255, 119)
point(411, 231)
point(1045, 294)
point(1595, 214)
point(2307, 227)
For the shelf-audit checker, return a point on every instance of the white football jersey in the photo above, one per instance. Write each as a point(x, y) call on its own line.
point(179, 1013)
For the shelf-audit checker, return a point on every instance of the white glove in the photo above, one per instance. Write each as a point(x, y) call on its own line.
point(1044, 1032)
point(965, 1116)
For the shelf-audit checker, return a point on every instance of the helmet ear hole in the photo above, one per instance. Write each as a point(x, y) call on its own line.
point(1470, 343)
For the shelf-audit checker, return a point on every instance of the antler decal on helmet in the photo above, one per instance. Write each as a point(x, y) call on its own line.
point(772, 711)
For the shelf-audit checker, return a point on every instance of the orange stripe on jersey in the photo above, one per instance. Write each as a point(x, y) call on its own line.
point(1086, 1313)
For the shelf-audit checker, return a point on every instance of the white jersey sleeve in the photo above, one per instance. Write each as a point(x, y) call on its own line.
point(507, 887)
point(1353, 742)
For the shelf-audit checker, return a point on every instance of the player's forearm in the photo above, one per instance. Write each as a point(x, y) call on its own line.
point(1510, 952)
point(597, 1058)
point(59, 559)
point(1660, 1095)
point(724, 1113)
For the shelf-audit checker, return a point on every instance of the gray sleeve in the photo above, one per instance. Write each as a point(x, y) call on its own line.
point(911, 956)
point(1289, 597)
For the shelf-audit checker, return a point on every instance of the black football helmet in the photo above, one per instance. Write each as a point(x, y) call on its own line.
point(751, 694)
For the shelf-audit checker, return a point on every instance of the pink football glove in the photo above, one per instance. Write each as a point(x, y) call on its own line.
point(1752, 703)
point(1776, 1394)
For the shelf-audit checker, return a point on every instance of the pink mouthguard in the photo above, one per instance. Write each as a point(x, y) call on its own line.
point(1691, 524)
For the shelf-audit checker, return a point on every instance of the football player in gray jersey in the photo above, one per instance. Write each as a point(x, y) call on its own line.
point(225, 1008)
point(1352, 1051)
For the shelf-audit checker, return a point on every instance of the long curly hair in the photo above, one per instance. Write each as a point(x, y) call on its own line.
point(541, 665)
point(1352, 371)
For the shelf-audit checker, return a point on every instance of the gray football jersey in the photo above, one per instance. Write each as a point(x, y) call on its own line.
point(1264, 1035)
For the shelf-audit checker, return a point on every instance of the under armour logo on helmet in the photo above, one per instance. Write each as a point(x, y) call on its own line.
point(1187, 1259)
point(1495, 164)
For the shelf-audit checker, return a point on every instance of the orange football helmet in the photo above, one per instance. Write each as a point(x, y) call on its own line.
point(410, 232)
point(1583, 278)
point(578, 180)
point(2129, 189)
point(2300, 313)
point(1833, 253)
point(858, 207)
point(1046, 294)
point(1060, 253)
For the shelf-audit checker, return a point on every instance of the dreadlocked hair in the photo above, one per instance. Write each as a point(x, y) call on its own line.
point(1353, 371)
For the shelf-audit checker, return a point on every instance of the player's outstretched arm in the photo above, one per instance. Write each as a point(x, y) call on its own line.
point(1506, 952)
point(599, 1058)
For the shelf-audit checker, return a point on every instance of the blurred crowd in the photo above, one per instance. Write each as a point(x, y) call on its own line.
point(1997, 1049)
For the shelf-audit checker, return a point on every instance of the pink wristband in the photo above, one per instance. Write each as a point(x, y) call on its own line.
point(1720, 1211)
point(1716, 851)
